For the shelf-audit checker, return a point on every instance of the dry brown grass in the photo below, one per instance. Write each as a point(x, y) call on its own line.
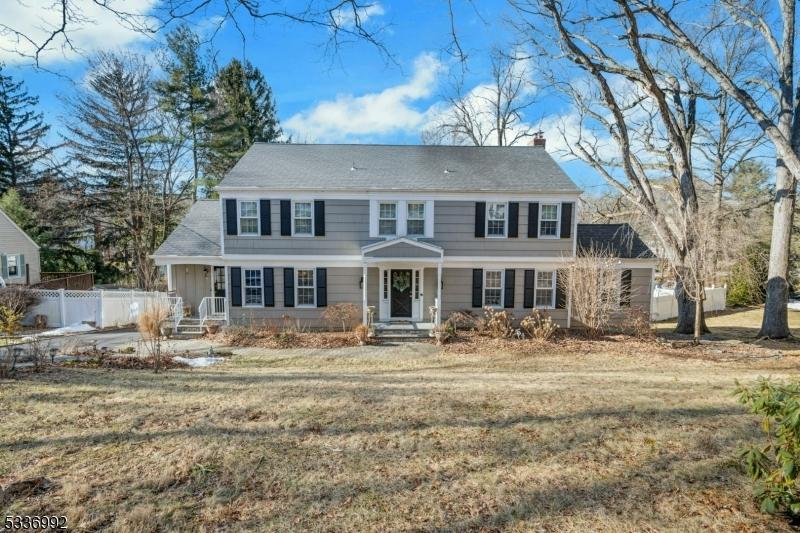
point(392, 438)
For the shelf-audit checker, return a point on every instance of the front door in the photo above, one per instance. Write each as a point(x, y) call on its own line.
point(401, 293)
point(219, 289)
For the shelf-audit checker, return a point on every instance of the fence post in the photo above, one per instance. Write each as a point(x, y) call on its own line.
point(99, 315)
point(62, 307)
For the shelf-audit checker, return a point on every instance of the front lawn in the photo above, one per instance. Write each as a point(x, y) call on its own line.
point(387, 438)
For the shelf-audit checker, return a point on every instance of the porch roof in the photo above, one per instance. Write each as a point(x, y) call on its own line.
point(197, 234)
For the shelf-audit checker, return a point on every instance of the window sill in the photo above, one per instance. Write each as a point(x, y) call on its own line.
point(497, 236)
point(550, 237)
point(246, 235)
point(306, 306)
point(253, 306)
point(304, 235)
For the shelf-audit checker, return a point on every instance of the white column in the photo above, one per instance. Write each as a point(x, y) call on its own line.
point(170, 280)
point(439, 294)
point(364, 293)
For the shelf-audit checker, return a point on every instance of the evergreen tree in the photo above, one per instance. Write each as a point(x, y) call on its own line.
point(23, 153)
point(246, 113)
point(185, 95)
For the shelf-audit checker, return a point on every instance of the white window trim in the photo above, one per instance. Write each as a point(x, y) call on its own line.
point(16, 263)
point(297, 287)
point(311, 234)
point(552, 290)
point(505, 222)
point(502, 288)
point(401, 229)
point(424, 217)
point(257, 217)
point(397, 211)
point(244, 287)
point(558, 220)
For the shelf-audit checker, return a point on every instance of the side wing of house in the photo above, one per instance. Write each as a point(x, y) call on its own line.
point(19, 254)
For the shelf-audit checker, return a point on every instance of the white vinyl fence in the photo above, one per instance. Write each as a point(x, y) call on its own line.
point(104, 308)
point(665, 305)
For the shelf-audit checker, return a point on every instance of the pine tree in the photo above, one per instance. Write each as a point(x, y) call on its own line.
point(245, 113)
point(23, 153)
point(185, 95)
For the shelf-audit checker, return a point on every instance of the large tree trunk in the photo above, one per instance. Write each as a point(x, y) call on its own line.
point(687, 310)
point(775, 323)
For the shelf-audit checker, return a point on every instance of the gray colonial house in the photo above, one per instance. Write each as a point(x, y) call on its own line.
point(19, 254)
point(413, 233)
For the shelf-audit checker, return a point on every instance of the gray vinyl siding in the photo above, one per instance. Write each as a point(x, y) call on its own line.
point(14, 242)
point(457, 296)
point(192, 284)
point(347, 230)
point(641, 293)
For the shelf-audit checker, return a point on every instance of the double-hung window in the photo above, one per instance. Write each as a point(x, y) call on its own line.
point(248, 217)
point(496, 219)
point(548, 222)
point(493, 288)
point(303, 221)
point(387, 218)
point(415, 220)
point(252, 287)
point(545, 288)
point(305, 287)
point(13, 267)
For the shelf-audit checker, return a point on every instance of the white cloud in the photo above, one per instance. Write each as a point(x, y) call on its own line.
point(385, 112)
point(346, 17)
point(96, 28)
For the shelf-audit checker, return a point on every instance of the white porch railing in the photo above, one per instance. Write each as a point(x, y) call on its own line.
point(175, 307)
point(213, 308)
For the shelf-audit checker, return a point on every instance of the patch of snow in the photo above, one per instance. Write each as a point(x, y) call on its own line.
point(794, 305)
point(198, 361)
point(72, 328)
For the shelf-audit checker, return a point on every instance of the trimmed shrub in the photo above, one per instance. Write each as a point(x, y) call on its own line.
point(499, 324)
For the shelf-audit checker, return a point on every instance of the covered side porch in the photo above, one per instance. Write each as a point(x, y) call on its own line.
point(407, 293)
point(199, 289)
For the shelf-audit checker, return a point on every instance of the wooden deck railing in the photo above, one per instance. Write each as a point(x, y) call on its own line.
point(76, 281)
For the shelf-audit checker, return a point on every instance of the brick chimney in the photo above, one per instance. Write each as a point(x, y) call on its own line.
point(538, 139)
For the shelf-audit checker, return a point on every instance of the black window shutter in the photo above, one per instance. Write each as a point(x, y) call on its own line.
point(288, 287)
point(513, 219)
point(561, 293)
point(625, 289)
point(286, 217)
point(266, 217)
point(322, 287)
point(533, 220)
point(236, 286)
point(477, 287)
point(319, 218)
point(508, 297)
point(566, 220)
point(480, 219)
point(230, 217)
point(530, 281)
point(269, 287)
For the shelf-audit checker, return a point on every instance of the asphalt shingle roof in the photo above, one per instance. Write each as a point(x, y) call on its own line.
point(399, 167)
point(197, 234)
point(620, 240)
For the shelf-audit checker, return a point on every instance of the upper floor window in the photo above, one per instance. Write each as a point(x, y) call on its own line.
point(306, 294)
point(13, 267)
point(545, 289)
point(496, 219)
point(493, 288)
point(252, 287)
point(415, 221)
point(387, 218)
point(303, 221)
point(548, 222)
point(248, 217)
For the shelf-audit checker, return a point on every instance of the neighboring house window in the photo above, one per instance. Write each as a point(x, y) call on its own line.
point(493, 288)
point(248, 218)
point(545, 288)
point(387, 218)
point(303, 223)
point(13, 267)
point(415, 223)
point(305, 287)
point(548, 222)
point(252, 287)
point(496, 220)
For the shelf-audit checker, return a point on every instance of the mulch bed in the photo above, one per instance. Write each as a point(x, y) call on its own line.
point(247, 337)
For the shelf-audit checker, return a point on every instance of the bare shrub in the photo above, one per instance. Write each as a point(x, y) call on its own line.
point(18, 299)
point(344, 314)
point(150, 324)
point(462, 319)
point(499, 324)
point(39, 352)
point(593, 281)
point(443, 332)
point(361, 333)
point(10, 320)
point(637, 323)
point(8, 361)
point(539, 326)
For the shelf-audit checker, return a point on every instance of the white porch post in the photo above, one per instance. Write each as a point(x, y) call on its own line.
point(170, 279)
point(439, 294)
point(364, 293)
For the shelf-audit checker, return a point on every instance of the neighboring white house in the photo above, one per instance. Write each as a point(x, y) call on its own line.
point(19, 255)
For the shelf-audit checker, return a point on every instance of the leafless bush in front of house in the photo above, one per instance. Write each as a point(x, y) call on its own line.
point(39, 352)
point(343, 314)
point(361, 333)
point(499, 324)
point(637, 323)
point(539, 326)
point(151, 325)
point(18, 299)
point(593, 281)
point(462, 319)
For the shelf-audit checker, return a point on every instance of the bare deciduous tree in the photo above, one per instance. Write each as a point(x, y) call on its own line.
point(594, 283)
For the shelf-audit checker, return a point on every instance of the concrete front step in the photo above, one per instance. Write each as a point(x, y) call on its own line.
point(402, 331)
